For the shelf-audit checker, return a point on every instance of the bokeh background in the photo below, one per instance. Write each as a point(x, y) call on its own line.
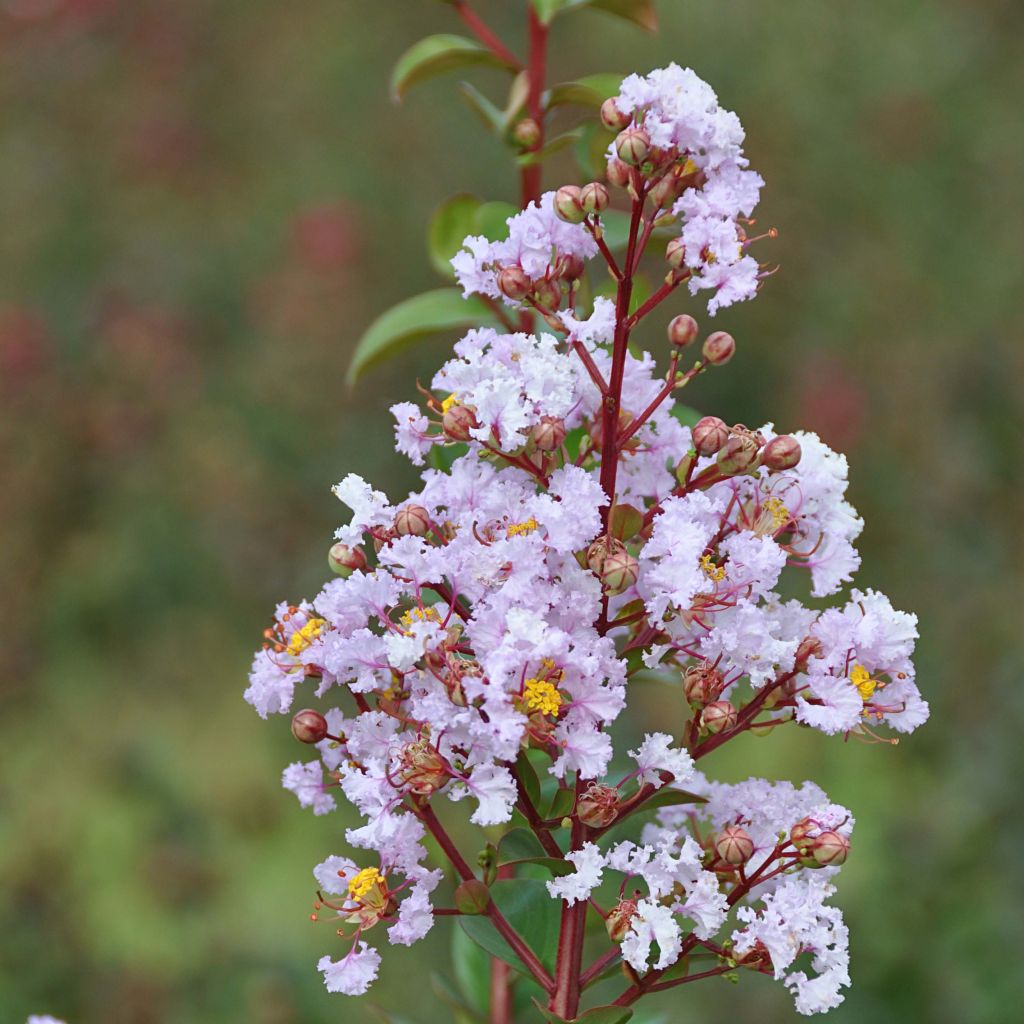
point(201, 207)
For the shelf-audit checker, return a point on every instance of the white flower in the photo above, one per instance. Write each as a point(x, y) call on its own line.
point(656, 755)
point(589, 864)
point(652, 923)
point(353, 975)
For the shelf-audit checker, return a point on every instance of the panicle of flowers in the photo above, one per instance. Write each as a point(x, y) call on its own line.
point(485, 628)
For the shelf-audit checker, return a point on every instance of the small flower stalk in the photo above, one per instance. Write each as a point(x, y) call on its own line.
point(478, 639)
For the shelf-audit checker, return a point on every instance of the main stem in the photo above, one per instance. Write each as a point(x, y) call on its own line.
point(536, 70)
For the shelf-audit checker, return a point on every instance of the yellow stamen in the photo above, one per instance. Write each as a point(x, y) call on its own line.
point(521, 529)
point(542, 696)
point(552, 670)
point(448, 402)
point(302, 638)
point(778, 511)
point(861, 678)
point(419, 615)
point(359, 885)
point(715, 573)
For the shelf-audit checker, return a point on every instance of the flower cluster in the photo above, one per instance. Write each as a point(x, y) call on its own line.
point(573, 532)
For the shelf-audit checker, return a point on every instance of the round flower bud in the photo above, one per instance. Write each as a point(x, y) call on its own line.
point(549, 434)
point(719, 348)
point(782, 452)
point(702, 684)
point(675, 253)
point(344, 560)
point(309, 726)
point(598, 806)
point(567, 204)
point(620, 571)
point(830, 848)
point(571, 267)
point(612, 117)
point(594, 197)
point(668, 189)
point(619, 919)
point(633, 145)
point(738, 455)
point(734, 845)
point(548, 294)
point(458, 421)
point(709, 435)
point(412, 521)
point(472, 897)
point(617, 172)
point(682, 330)
point(514, 283)
point(719, 716)
point(527, 133)
point(802, 834)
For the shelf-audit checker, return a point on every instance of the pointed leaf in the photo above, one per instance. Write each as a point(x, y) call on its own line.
point(640, 12)
point(449, 225)
point(598, 1015)
point(415, 319)
point(562, 803)
point(625, 521)
point(436, 55)
point(528, 777)
point(589, 91)
point(559, 142)
point(491, 117)
point(519, 844)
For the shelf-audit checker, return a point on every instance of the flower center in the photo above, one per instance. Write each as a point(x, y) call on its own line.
point(419, 615)
point(359, 885)
point(861, 678)
point(778, 511)
point(448, 402)
point(302, 638)
point(715, 573)
point(542, 696)
point(521, 529)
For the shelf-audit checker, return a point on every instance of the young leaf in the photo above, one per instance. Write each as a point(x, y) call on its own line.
point(559, 142)
point(472, 975)
point(449, 224)
point(436, 55)
point(528, 776)
point(517, 845)
point(625, 521)
point(589, 91)
point(640, 12)
point(413, 320)
point(562, 803)
point(491, 117)
point(529, 908)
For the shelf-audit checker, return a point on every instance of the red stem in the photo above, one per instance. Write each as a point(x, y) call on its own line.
point(536, 71)
point(479, 28)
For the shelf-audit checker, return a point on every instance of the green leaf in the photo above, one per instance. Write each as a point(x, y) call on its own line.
point(528, 776)
point(562, 803)
point(529, 908)
point(589, 91)
point(472, 975)
point(598, 1015)
point(558, 143)
point(449, 224)
point(519, 844)
point(492, 220)
point(413, 320)
point(435, 56)
point(625, 521)
point(493, 119)
point(686, 415)
point(640, 12)
point(547, 9)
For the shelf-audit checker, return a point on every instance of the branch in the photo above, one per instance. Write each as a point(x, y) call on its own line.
point(479, 28)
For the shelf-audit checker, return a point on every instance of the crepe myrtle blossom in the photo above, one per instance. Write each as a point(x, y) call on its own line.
point(573, 531)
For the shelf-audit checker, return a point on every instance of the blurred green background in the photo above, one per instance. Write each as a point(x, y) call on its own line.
point(201, 207)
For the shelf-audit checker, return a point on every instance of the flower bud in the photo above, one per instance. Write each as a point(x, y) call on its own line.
point(620, 571)
point(422, 768)
point(619, 919)
point(685, 466)
point(612, 117)
point(568, 205)
point(709, 435)
point(598, 806)
point(309, 726)
point(570, 266)
point(594, 197)
point(675, 253)
point(830, 848)
point(458, 421)
point(344, 560)
point(810, 647)
point(719, 716)
point(548, 294)
point(719, 348)
point(514, 283)
point(412, 521)
point(472, 897)
point(782, 452)
point(682, 330)
point(633, 145)
point(549, 434)
point(527, 133)
point(667, 190)
point(617, 172)
point(734, 845)
point(702, 684)
point(738, 455)
point(801, 835)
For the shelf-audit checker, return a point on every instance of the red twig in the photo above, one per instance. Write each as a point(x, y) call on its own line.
point(479, 28)
point(536, 71)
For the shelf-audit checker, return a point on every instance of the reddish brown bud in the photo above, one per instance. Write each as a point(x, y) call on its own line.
point(675, 253)
point(612, 117)
point(801, 835)
point(617, 172)
point(568, 205)
point(594, 197)
point(548, 294)
point(709, 435)
point(734, 845)
point(738, 455)
point(830, 848)
point(782, 452)
point(633, 145)
point(458, 421)
point(309, 726)
point(682, 330)
point(719, 348)
point(619, 919)
point(702, 684)
point(344, 560)
point(810, 647)
point(514, 283)
point(571, 267)
point(598, 806)
point(549, 434)
point(620, 571)
point(527, 133)
point(413, 520)
point(719, 716)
